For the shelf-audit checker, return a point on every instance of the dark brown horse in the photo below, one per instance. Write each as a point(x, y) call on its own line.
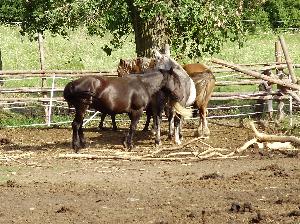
point(202, 76)
point(130, 94)
point(136, 66)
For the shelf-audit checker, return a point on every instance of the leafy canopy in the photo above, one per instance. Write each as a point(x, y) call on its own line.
point(193, 26)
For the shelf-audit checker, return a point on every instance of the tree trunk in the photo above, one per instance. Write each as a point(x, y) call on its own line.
point(149, 35)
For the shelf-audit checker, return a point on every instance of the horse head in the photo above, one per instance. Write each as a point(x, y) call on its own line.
point(135, 66)
point(172, 86)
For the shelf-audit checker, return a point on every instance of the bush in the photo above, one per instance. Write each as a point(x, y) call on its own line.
point(256, 19)
point(271, 14)
point(11, 11)
point(283, 13)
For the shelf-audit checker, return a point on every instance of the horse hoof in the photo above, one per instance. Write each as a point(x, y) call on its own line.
point(158, 143)
point(128, 146)
point(76, 148)
point(178, 142)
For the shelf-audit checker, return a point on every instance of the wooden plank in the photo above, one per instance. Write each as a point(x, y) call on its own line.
point(256, 74)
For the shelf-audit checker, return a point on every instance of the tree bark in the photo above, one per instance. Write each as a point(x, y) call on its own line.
point(149, 35)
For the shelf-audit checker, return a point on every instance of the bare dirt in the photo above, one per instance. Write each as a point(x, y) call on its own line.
point(36, 186)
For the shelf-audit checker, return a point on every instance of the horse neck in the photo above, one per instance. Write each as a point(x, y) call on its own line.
point(153, 81)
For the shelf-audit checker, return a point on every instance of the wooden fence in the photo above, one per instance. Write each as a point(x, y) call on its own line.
point(49, 95)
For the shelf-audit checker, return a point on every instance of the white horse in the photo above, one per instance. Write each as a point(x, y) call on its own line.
point(164, 61)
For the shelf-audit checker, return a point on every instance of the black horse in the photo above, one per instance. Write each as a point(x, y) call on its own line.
point(116, 95)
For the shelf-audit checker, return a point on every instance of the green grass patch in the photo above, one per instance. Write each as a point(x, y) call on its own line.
point(83, 52)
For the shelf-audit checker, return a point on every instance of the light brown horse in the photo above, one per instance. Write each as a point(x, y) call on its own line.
point(201, 75)
point(204, 82)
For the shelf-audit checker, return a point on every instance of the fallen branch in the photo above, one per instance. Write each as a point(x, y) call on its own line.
point(246, 145)
point(218, 154)
point(261, 137)
point(178, 146)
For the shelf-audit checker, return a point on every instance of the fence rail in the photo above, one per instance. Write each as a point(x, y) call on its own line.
point(49, 95)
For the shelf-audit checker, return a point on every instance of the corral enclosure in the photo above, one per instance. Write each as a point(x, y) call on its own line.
point(204, 181)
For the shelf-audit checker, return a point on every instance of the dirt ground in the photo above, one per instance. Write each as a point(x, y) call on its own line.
point(37, 186)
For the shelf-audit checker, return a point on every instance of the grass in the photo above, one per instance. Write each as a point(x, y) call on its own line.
point(78, 51)
point(260, 48)
point(83, 52)
point(6, 173)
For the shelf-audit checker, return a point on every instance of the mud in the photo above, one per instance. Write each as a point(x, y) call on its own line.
point(36, 186)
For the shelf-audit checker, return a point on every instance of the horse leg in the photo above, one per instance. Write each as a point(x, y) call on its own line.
point(78, 137)
point(180, 128)
point(113, 120)
point(206, 131)
point(103, 115)
point(134, 117)
point(157, 117)
point(177, 124)
point(203, 130)
point(149, 115)
point(171, 123)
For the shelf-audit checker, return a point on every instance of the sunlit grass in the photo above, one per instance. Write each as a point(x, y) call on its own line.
point(80, 51)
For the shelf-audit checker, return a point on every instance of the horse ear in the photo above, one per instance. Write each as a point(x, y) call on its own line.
point(122, 62)
point(157, 54)
point(139, 61)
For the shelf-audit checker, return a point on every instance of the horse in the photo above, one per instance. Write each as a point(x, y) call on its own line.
point(116, 95)
point(202, 76)
point(204, 81)
point(125, 67)
point(163, 61)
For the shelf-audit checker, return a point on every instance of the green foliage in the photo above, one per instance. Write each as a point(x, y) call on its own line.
point(272, 14)
point(256, 20)
point(283, 13)
point(11, 11)
point(204, 27)
point(193, 27)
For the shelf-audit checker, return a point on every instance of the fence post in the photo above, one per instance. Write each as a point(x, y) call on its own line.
point(280, 74)
point(267, 87)
point(288, 59)
point(292, 75)
point(42, 67)
point(1, 79)
point(0, 61)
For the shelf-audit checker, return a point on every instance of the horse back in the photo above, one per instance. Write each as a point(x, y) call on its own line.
point(196, 69)
point(204, 82)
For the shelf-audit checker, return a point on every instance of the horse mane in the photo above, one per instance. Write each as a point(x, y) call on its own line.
point(135, 66)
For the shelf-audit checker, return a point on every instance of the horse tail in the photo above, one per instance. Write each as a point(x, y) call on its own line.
point(185, 112)
point(74, 95)
point(204, 87)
